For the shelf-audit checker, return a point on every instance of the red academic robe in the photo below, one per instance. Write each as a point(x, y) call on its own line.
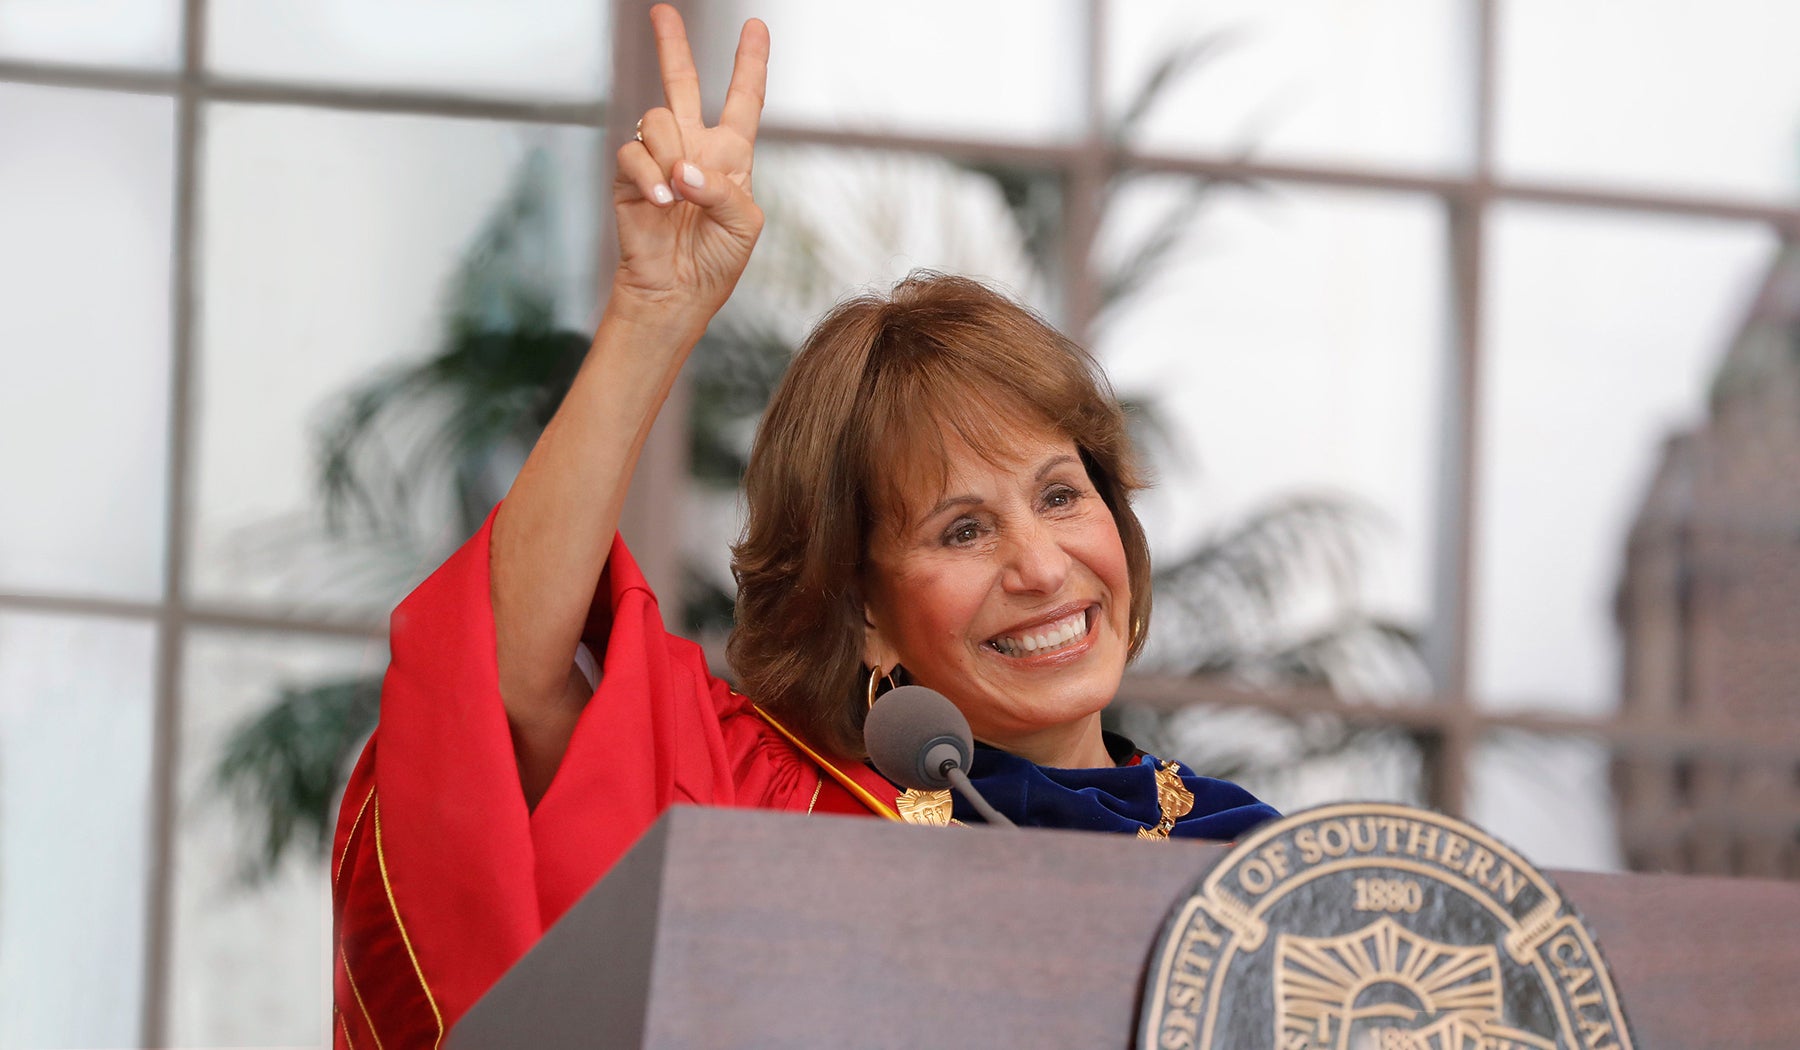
point(442, 878)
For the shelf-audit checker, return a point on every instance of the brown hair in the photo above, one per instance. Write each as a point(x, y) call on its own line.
point(878, 383)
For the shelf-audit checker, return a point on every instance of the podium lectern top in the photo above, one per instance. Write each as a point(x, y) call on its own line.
point(731, 928)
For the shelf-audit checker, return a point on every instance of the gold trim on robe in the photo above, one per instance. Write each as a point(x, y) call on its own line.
point(862, 794)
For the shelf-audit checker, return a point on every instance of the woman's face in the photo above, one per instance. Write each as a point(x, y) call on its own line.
point(1008, 592)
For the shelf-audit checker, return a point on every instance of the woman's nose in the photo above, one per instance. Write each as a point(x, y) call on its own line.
point(1035, 561)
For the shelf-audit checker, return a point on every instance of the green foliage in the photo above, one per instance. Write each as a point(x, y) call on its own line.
point(463, 415)
point(733, 372)
point(285, 767)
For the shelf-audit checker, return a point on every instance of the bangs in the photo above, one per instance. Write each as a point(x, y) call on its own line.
point(962, 379)
point(906, 461)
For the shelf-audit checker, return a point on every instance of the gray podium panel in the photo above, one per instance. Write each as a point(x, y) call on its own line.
point(731, 928)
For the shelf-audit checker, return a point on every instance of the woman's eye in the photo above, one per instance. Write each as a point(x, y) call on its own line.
point(1061, 496)
point(963, 532)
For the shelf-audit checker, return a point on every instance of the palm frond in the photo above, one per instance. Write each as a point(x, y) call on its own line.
point(1178, 62)
point(1239, 584)
point(502, 367)
point(734, 372)
point(1355, 655)
point(1136, 272)
point(284, 767)
point(359, 483)
point(1276, 601)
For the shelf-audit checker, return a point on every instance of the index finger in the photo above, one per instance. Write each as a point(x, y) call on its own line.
point(749, 79)
point(681, 83)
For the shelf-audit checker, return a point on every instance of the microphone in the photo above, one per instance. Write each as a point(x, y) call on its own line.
point(918, 739)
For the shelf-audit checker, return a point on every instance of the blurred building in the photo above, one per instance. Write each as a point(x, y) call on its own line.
point(1709, 611)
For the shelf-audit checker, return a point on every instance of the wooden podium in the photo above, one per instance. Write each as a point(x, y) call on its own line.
point(725, 928)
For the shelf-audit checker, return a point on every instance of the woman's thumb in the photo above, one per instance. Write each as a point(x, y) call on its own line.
point(723, 200)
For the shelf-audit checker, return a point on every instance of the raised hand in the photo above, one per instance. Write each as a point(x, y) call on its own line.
point(685, 215)
point(686, 226)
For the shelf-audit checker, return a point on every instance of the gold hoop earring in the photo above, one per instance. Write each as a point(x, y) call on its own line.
point(875, 678)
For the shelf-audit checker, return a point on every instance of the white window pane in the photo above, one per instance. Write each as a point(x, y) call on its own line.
point(85, 203)
point(1658, 94)
point(1002, 69)
point(329, 251)
point(1293, 343)
point(93, 32)
point(75, 716)
point(251, 962)
point(1603, 335)
point(1380, 83)
point(1549, 798)
point(549, 49)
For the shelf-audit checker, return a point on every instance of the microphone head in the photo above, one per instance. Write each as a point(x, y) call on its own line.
point(910, 733)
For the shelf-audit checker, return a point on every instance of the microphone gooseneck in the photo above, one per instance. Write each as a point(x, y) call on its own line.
point(988, 812)
point(918, 739)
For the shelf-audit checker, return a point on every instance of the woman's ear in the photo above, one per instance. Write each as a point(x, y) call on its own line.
point(875, 651)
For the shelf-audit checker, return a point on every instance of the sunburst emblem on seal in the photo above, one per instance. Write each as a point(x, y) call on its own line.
point(1377, 927)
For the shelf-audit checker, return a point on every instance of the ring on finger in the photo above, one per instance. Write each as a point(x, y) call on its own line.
point(639, 131)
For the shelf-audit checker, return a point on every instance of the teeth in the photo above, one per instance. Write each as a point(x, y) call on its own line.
point(1052, 636)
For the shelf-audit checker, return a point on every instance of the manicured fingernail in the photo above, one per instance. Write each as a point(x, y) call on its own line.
point(692, 176)
point(661, 194)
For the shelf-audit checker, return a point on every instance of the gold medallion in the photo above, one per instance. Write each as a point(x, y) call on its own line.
point(1174, 798)
point(924, 807)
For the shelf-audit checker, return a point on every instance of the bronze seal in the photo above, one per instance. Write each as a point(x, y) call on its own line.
point(1369, 926)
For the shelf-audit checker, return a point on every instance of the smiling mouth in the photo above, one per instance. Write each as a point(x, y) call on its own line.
point(1047, 638)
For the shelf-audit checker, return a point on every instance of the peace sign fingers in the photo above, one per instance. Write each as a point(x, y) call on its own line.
point(749, 78)
point(682, 200)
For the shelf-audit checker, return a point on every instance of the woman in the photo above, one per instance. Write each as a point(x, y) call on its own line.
point(939, 491)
